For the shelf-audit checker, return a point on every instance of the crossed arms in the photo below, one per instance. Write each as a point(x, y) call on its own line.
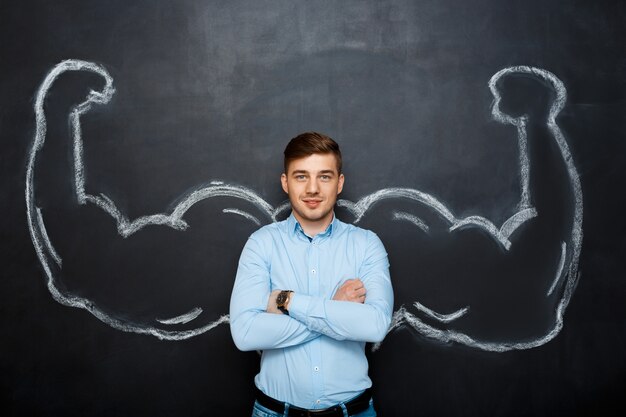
point(359, 311)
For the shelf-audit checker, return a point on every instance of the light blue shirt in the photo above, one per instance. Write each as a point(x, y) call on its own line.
point(315, 356)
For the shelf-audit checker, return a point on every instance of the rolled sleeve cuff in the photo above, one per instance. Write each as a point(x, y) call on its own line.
point(302, 307)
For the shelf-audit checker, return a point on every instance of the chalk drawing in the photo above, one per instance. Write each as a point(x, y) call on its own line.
point(244, 214)
point(525, 212)
point(516, 220)
point(400, 215)
point(41, 241)
point(567, 267)
point(47, 241)
point(559, 271)
point(444, 318)
point(183, 318)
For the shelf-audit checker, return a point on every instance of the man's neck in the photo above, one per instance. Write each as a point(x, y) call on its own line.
point(313, 228)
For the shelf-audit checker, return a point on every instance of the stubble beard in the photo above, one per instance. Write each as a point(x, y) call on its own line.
point(312, 215)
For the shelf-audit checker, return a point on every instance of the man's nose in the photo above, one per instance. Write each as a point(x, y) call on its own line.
point(311, 187)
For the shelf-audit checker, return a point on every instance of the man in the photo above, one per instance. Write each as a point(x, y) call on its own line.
point(310, 292)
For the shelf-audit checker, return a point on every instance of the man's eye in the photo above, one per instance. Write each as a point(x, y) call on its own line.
point(300, 177)
point(325, 178)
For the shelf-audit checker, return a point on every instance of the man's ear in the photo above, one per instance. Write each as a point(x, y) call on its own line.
point(340, 184)
point(283, 182)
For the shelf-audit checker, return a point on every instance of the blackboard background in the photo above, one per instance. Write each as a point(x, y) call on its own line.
point(199, 81)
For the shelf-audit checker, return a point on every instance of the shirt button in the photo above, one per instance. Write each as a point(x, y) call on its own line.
point(313, 271)
point(316, 368)
point(318, 401)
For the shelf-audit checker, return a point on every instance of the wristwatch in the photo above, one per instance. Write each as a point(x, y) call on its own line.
point(281, 301)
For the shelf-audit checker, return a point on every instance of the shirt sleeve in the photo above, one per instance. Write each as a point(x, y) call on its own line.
point(344, 320)
point(251, 326)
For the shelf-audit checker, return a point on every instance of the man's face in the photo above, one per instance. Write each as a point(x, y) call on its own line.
point(313, 184)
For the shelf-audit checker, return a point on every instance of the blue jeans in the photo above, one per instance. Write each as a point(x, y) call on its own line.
point(260, 411)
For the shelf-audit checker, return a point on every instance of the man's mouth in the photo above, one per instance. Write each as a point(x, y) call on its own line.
point(312, 203)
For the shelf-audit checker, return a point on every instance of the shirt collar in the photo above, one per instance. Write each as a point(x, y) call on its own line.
point(294, 226)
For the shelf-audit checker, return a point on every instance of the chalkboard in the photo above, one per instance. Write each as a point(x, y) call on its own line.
point(142, 144)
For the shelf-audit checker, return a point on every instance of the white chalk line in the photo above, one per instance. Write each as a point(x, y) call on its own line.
point(282, 208)
point(559, 271)
point(44, 233)
point(401, 215)
point(444, 318)
point(243, 214)
point(183, 318)
point(174, 219)
point(516, 220)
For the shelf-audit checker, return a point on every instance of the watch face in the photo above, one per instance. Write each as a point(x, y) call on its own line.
point(281, 298)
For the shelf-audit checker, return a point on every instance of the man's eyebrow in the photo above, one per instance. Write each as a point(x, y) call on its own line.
point(322, 172)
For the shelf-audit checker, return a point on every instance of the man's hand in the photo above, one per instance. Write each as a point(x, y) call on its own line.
point(271, 303)
point(351, 290)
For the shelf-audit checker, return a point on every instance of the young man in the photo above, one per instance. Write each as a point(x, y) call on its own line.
point(310, 292)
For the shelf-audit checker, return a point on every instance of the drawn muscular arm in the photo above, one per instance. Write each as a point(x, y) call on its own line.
point(494, 288)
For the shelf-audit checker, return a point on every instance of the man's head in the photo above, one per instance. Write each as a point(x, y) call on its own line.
point(312, 179)
point(309, 143)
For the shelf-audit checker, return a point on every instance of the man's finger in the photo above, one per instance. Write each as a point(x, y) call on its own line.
point(347, 283)
point(357, 285)
point(360, 292)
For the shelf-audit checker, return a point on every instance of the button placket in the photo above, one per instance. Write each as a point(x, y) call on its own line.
point(316, 353)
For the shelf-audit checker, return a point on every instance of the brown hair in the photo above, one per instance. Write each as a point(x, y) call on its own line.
point(309, 143)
